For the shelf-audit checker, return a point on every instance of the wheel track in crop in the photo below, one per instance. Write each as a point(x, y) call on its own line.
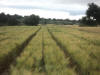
point(92, 55)
point(73, 63)
point(11, 57)
point(43, 56)
point(42, 61)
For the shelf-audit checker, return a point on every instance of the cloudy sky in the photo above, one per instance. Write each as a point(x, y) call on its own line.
point(61, 9)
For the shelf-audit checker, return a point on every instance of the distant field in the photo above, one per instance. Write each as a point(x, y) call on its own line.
point(90, 29)
point(87, 29)
point(49, 50)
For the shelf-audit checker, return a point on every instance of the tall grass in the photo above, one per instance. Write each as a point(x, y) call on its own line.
point(51, 53)
point(55, 61)
point(11, 48)
point(79, 50)
point(14, 37)
point(28, 63)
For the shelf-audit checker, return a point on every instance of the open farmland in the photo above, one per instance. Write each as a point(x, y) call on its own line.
point(49, 50)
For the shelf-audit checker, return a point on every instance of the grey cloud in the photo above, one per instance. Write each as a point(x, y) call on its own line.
point(55, 5)
point(72, 12)
point(81, 2)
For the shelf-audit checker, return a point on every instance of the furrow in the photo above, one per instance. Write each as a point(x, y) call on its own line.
point(73, 63)
point(11, 57)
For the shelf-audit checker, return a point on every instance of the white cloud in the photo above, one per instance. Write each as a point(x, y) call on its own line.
point(73, 9)
point(42, 4)
point(41, 13)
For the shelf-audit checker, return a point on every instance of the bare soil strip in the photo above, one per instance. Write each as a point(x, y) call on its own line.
point(11, 57)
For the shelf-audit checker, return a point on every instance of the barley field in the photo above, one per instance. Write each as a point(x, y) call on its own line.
point(49, 50)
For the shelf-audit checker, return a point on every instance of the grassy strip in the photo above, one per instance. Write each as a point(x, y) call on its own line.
point(90, 29)
point(30, 62)
point(87, 65)
point(91, 38)
point(94, 44)
point(85, 40)
point(10, 32)
point(11, 57)
point(15, 36)
point(72, 63)
point(55, 61)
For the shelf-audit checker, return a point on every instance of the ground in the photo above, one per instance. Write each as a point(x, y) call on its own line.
point(49, 50)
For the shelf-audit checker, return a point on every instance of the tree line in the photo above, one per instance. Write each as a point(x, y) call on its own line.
point(13, 20)
point(58, 21)
point(92, 18)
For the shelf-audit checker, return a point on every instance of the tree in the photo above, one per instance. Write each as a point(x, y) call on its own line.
point(31, 20)
point(3, 18)
point(12, 21)
point(8, 19)
point(87, 21)
point(92, 17)
point(93, 12)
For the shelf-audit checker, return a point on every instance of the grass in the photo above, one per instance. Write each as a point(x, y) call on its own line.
point(79, 49)
point(52, 50)
point(10, 48)
point(57, 63)
point(15, 35)
point(29, 61)
point(90, 29)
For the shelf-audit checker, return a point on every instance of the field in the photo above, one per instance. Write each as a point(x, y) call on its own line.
point(49, 50)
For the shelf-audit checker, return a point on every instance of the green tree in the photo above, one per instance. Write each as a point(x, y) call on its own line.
point(31, 20)
point(3, 18)
point(93, 12)
point(92, 17)
point(12, 20)
point(87, 21)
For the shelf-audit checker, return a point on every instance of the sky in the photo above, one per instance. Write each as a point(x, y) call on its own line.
point(59, 9)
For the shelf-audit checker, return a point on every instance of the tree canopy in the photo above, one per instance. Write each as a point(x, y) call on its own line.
point(92, 17)
point(12, 20)
point(31, 20)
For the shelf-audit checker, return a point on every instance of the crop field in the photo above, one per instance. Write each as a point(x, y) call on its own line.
point(49, 50)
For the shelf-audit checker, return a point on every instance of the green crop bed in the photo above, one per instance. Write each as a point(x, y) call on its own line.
point(49, 50)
